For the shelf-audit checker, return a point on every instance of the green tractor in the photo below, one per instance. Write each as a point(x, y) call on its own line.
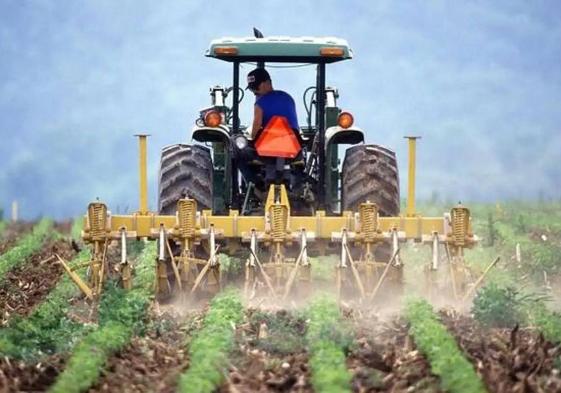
point(209, 174)
point(299, 206)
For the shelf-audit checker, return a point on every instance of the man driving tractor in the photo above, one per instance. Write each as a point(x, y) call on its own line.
point(275, 133)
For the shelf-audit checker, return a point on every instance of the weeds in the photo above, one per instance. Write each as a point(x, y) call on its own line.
point(209, 349)
point(446, 359)
point(30, 244)
point(284, 332)
point(549, 323)
point(498, 307)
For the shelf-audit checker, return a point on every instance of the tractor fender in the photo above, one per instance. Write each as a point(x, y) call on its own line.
point(339, 135)
point(211, 134)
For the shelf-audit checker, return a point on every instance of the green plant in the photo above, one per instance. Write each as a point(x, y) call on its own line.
point(284, 333)
point(76, 230)
point(47, 329)
point(549, 323)
point(326, 338)
point(323, 267)
point(437, 344)
point(491, 230)
point(210, 347)
point(229, 265)
point(498, 307)
point(121, 315)
point(25, 247)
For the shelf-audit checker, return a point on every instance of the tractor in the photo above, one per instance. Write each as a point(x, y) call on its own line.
point(302, 206)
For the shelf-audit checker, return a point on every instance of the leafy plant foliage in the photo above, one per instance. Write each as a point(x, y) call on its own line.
point(210, 347)
point(326, 337)
point(25, 247)
point(121, 315)
point(447, 361)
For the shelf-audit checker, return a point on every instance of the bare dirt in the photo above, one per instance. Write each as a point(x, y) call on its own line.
point(384, 357)
point(18, 376)
point(27, 285)
point(270, 355)
point(154, 362)
point(508, 360)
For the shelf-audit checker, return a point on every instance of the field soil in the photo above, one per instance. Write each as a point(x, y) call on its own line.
point(27, 285)
point(12, 233)
point(19, 376)
point(509, 360)
point(270, 353)
point(154, 362)
point(384, 357)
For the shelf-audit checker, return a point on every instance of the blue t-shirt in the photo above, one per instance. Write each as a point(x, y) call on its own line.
point(278, 103)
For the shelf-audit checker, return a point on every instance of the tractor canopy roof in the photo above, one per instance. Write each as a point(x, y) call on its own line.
point(280, 49)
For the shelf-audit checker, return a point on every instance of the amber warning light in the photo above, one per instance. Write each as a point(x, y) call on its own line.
point(213, 119)
point(345, 120)
point(330, 51)
point(226, 50)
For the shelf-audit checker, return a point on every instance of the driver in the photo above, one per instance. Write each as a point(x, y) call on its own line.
point(268, 103)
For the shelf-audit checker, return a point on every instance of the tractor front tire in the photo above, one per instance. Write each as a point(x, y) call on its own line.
point(185, 172)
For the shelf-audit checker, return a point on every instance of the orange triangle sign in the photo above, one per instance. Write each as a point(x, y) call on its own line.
point(278, 139)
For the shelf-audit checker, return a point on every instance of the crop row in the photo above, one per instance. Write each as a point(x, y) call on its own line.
point(439, 346)
point(28, 245)
point(47, 329)
point(121, 315)
point(210, 347)
point(326, 337)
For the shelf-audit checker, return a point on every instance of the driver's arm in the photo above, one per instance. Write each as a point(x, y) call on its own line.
point(257, 121)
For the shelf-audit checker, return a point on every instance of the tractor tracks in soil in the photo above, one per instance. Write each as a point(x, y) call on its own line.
point(509, 360)
point(27, 285)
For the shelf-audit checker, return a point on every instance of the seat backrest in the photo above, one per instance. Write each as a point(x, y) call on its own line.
point(278, 139)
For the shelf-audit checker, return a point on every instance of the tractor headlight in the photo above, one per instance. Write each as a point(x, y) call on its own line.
point(241, 142)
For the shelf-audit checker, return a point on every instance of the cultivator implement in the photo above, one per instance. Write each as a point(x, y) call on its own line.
point(278, 245)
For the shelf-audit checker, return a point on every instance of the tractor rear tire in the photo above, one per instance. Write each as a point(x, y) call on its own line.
point(370, 174)
point(185, 172)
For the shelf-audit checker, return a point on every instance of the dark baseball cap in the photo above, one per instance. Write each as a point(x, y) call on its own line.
point(255, 77)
